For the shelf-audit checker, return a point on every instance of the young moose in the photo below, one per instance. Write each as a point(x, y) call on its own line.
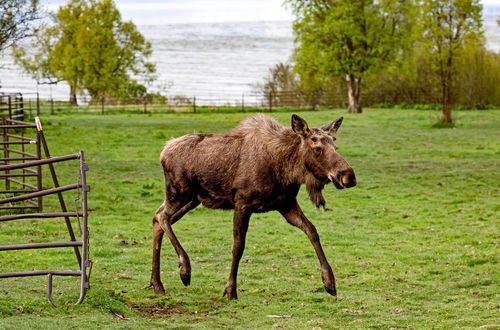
point(257, 167)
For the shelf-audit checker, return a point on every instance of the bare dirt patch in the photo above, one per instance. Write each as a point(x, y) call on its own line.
point(161, 311)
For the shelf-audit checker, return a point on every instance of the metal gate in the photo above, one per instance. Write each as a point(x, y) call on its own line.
point(12, 106)
point(9, 202)
point(16, 147)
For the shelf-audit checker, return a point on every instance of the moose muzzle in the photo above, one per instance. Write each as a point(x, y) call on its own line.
point(344, 179)
point(347, 178)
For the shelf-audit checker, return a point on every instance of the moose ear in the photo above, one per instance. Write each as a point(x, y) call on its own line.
point(300, 126)
point(333, 127)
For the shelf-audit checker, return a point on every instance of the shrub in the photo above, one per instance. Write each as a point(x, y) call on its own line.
point(383, 106)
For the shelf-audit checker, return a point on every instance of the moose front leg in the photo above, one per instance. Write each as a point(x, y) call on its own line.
point(240, 226)
point(296, 217)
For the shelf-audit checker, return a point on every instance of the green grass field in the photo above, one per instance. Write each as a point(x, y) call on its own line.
point(414, 245)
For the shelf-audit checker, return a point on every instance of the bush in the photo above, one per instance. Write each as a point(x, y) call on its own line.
point(479, 106)
point(383, 106)
point(404, 105)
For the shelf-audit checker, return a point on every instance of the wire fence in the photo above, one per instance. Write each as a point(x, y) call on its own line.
point(36, 104)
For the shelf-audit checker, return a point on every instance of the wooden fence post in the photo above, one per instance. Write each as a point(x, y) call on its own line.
point(37, 104)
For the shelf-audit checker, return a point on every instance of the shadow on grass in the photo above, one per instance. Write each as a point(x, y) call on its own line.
point(440, 124)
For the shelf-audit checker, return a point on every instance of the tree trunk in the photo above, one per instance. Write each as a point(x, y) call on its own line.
point(72, 96)
point(446, 84)
point(353, 92)
point(446, 106)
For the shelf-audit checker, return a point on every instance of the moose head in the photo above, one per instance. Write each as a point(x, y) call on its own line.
point(321, 158)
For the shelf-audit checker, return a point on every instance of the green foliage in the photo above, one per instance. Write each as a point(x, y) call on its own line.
point(383, 106)
point(476, 84)
point(282, 87)
point(414, 245)
point(40, 65)
point(348, 38)
point(92, 49)
point(447, 26)
point(117, 50)
point(436, 53)
point(427, 107)
point(16, 18)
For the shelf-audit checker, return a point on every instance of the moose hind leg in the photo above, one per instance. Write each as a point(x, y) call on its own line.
point(240, 226)
point(167, 218)
point(155, 282)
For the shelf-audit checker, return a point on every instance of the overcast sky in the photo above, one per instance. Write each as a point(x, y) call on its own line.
point(197, 11)
point(194, 11)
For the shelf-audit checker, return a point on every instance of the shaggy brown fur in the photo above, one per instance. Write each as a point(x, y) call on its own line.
point(257, 167)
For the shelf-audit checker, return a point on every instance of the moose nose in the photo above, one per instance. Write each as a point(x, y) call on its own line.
point(348, 178)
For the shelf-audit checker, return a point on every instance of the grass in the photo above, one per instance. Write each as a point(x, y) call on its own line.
point(414, 245)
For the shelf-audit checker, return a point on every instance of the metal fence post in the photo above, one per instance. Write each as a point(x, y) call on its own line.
point(194, 104)
point(6, 151)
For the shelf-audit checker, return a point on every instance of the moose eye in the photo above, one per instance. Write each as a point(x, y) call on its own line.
point(314, 139)
point(317, 149)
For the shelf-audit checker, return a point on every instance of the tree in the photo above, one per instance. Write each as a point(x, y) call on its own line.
point(92, 49)
point(348, 38)
point(16, 17)
point(39, 64)
point(282, 86)
point(447, 27)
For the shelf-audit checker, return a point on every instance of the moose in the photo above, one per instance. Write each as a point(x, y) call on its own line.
point(257, 167)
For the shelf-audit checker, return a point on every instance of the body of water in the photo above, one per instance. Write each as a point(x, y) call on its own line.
point(212, 61)
point(216, 62)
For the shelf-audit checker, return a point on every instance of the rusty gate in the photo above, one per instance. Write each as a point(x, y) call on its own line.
point(10, 199)
point(17, 147)
point(12, 106)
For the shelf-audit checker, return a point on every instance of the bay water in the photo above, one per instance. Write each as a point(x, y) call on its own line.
point(218, 63)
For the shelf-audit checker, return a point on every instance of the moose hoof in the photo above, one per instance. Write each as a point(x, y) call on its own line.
point(329, 282)
point(185, 272)
point(230, 293)
point(331, 290)
point(157, 287)
point(185, 278)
